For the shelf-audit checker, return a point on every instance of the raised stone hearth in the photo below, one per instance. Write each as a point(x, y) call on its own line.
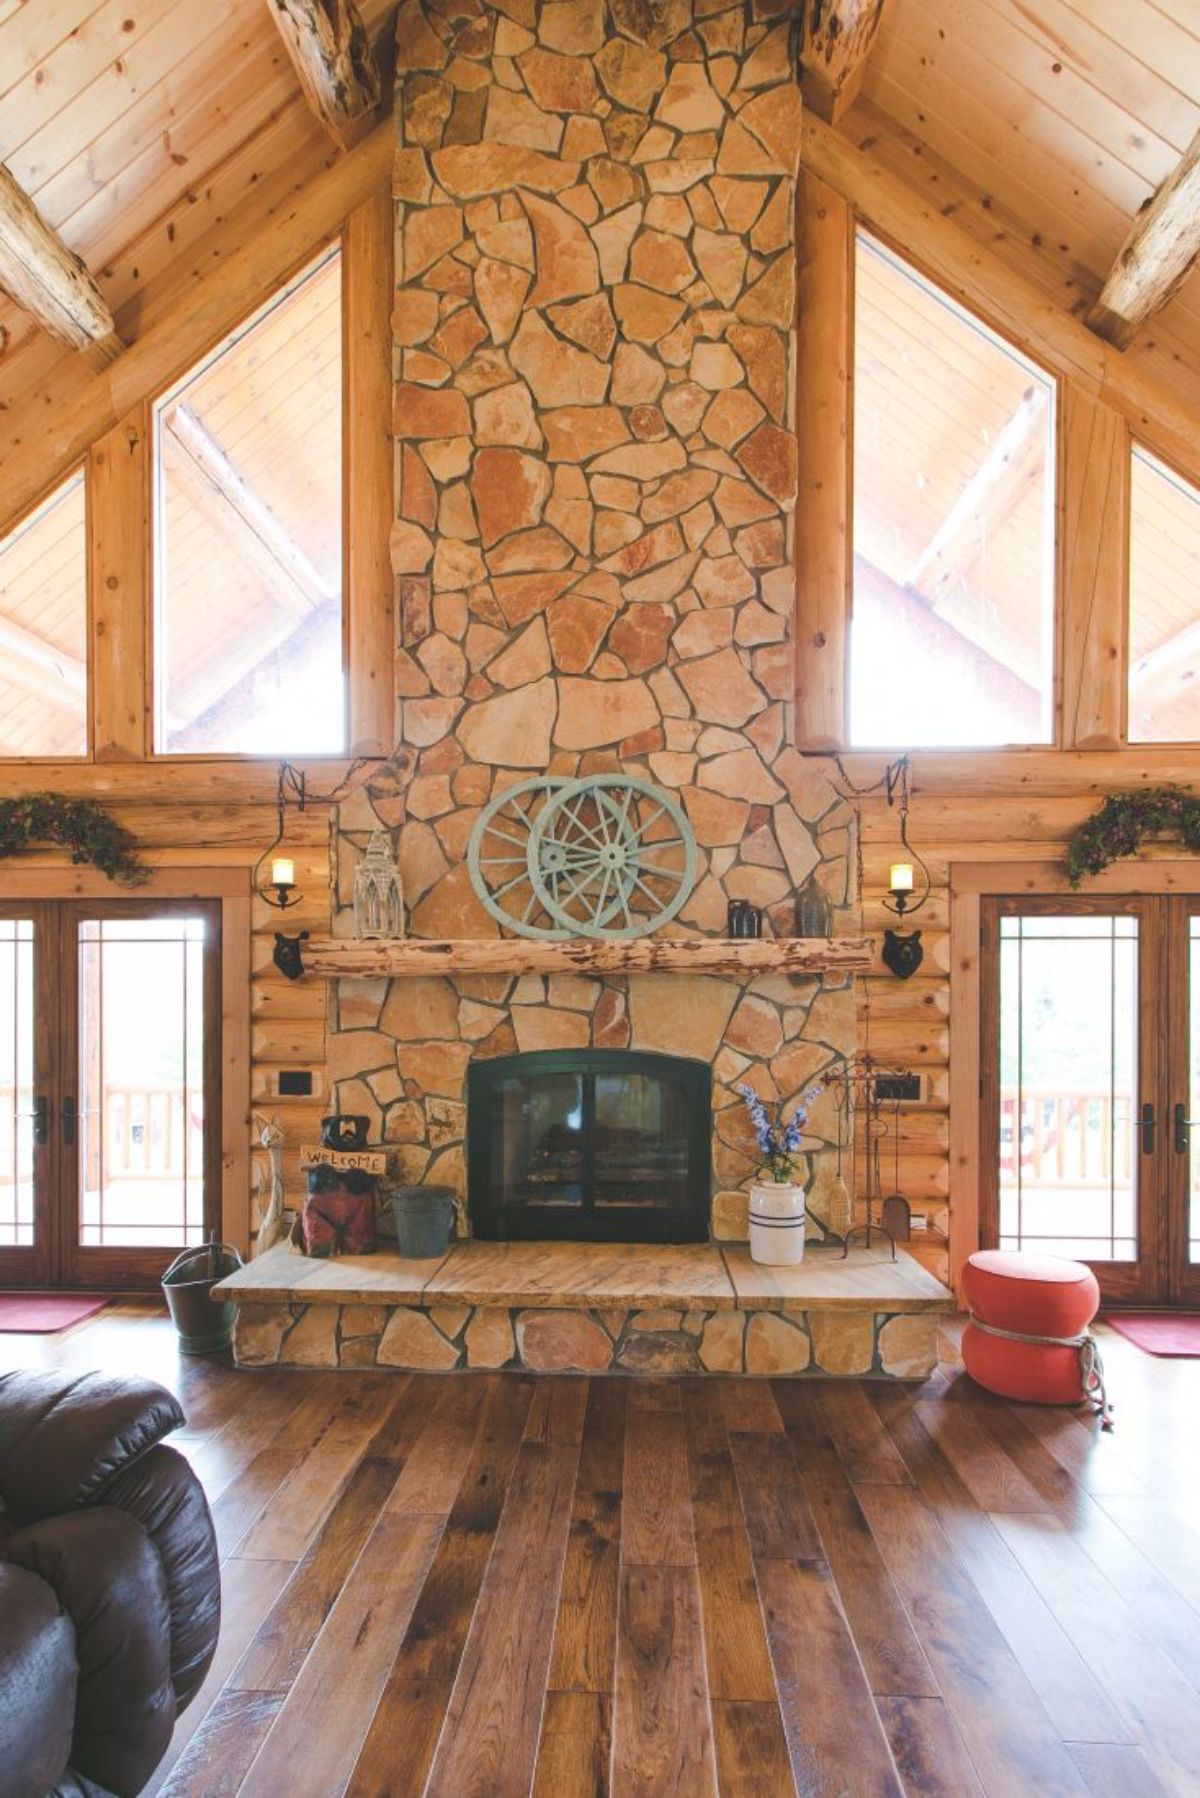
point(571, 1308)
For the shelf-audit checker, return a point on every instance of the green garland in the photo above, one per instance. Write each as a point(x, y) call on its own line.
point(1124, 820)
point(79, 825)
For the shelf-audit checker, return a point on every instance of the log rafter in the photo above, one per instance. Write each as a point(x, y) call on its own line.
point(331, 54)
point(837, 37)
point(1162, 244)
point(45, 278)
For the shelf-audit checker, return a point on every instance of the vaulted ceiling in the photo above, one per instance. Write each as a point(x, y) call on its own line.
point(136, 126)
point(1041, 125)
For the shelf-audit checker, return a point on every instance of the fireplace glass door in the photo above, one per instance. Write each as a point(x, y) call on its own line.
point(594, 1145)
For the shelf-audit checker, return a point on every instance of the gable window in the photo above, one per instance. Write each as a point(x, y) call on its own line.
point(952, 626)
point(1164, 607)
point(248, 536)
point(43, 628)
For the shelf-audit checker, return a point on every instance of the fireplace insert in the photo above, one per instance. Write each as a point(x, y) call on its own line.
point(596, 1145)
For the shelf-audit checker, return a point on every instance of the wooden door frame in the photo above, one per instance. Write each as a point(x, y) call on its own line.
point(104, 1267)
point(34, 878)
point(969, 884)
point(1143, 1279)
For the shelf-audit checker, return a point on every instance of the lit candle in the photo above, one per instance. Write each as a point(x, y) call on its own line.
point(900, 880)
point(283, 872)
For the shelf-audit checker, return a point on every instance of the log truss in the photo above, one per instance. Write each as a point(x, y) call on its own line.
point(45, 278)
point(331, 53)
point(1161, 247)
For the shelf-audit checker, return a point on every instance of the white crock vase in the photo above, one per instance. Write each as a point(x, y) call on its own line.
point(776, 1223)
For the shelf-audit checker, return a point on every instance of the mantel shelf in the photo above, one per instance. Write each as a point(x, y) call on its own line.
point(347, 958)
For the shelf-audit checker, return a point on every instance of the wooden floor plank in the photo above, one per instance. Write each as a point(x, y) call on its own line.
point(834, 1736)
point(735, 1642)
point(249, 1589)
point(277, 1653)
point(575, 1746)
point(1160, 1707)
point(286, 1530)
point(248, 1495)
point(928, 1749)
point(222, 1750)
point(990, 1475)
point(863, 1445)
point(656, 1513)
point(751, 1750)
point(400, 1744)
point(824, 1605)
point(892, 1657)
point(1115, 1770)
point(996, 1709)
point(1069, 1693)
point(315, 1739)
point(662, 1728)
point(489, 1741)
point(779, 1523)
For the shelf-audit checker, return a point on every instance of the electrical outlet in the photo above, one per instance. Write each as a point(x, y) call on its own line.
point(890, 1087)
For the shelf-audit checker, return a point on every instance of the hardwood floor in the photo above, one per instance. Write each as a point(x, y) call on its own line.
point(491, 1584)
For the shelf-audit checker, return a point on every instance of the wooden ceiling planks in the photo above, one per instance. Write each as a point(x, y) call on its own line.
point(137, 129)
point(1043, 130)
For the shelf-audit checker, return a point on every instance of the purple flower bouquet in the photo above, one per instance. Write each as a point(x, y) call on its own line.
point(778, 1137)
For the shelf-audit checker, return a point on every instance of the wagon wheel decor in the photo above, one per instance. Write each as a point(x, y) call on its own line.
point(607, 856)
point(612, 856)
point(498, 858)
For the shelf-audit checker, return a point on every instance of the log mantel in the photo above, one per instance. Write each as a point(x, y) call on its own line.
point(346, 958)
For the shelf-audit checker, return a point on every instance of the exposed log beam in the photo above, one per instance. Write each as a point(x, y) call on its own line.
point(1016, 457)
point(239, 514)
point(331, 54)
point(837, 37)
point(1161, 247)
point(45, 278)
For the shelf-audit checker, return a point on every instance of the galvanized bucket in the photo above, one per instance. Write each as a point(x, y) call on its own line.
point(202, 1326)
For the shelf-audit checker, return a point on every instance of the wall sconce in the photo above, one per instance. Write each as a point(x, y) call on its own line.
point(902, 952)
point(279, 889)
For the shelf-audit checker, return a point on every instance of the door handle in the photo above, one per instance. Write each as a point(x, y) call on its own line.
point(1183, 1129)
point(41, 1120)
point(69, 1121)
point(1147, 1129)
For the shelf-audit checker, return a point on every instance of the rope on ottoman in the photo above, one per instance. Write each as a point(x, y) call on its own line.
point(1091, 1367)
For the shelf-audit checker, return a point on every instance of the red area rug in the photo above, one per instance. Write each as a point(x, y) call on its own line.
point(41, 1314)
point(1159, 1333)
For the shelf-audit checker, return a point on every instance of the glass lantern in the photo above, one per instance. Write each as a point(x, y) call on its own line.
point(378, 895)
point(814, 914)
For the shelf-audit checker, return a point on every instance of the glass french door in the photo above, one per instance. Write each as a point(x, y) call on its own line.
point(1091, 1083)
point(110, 1157)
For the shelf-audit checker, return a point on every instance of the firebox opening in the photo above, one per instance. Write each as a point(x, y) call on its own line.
point(595, 1145)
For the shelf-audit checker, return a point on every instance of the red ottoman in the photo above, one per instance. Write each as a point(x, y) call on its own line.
point(1016, 1295)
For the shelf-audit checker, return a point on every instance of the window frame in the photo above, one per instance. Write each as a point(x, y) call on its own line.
point(118, 476)
point(1142, 442)
point(156, 670)
point(78, 468)
point(861, 231)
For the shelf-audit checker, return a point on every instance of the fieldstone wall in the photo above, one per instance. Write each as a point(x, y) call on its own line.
point(445, 1338)
point(596, 460)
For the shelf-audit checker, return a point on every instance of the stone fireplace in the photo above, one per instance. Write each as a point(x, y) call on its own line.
point(596, 473)
point(592, 1145)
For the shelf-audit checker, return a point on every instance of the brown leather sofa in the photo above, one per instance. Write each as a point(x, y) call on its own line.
point(110, 1597)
